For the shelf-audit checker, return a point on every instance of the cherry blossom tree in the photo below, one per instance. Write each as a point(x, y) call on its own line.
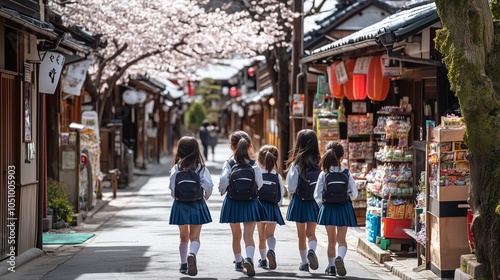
point(160, 38)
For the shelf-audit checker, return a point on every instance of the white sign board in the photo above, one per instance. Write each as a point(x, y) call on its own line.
point(341, 73)
point(89, 119)
point(72, 81)
point(50, 71)
point(362, 65)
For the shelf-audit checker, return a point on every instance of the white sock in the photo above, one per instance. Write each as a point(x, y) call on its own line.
point(303, 256)
point(262, 254)
point(250, 251)
point(237, 257)
point(331, 261)
point(342, 251)
point(312, 245)
point(194, 247)
point(183, 251)
point(271, 243)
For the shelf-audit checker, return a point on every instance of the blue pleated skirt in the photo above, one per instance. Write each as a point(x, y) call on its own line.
point(337, 214)
point(273, 212)
point(240, 211)
point(302, 211)
point(190, 213)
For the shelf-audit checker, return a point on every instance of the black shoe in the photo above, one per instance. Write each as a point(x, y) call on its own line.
point(304, 267)
point(339, 265)
point(263, 263)
point(248, 264)
point(313, 260)
point(330, 271)
point(272, 259)
point(183, 268)
point(238, 266)
point(192, 269)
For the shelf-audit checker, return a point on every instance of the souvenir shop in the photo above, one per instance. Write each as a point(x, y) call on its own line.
point(400, 127)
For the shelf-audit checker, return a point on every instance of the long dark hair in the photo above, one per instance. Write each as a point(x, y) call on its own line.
point(188, 154)
point(268, 157)
point(240, 142)
point(333, 152)
point(305, 152)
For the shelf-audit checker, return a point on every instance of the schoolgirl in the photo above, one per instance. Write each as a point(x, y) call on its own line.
point(271, 197)
point(189, 215)
point(236, 210)
point(304, 212)
point(338, 216)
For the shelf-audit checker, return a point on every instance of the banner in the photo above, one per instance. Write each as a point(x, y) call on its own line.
point(74, 77)
point(50, 71)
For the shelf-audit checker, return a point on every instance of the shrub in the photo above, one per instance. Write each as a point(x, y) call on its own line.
point(195, 116)
point(57, 199)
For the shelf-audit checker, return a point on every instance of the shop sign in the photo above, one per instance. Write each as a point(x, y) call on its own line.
point(90, 120)
point(359, 107)
point(390, 68)
point(298, 104)
point(50, 71)
point(341, 73)
point(362, 65)
point(74, 77)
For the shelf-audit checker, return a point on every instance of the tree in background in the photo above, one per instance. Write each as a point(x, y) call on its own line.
point(470, 43)
point(194, 116)
point(209, 91)
point(160, 38)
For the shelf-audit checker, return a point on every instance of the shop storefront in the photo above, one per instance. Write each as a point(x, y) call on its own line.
point(385, 96)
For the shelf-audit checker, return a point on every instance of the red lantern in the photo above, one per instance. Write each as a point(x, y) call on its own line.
point(349, 85)
point(233, 92)
point(251, 72)
point(377, 86)
point(359, 86)
point(336, 89)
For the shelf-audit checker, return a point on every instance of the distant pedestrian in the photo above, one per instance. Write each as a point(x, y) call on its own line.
point(335, 192)
point(303, 171)
point(205, 137)
point(240, 180)
point(190, 185)
point(213, 139)
point(271, 197)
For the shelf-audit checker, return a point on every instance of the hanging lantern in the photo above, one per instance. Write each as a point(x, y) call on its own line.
point(233, 92)
point(377, 86)
point(336, 90)
point(348, 86)
point(251, 72)
point(359, 77)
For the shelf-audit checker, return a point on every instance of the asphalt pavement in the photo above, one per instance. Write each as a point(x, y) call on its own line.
point(133, 240)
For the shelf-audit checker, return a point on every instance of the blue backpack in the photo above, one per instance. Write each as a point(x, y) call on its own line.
point(306, 186)
point(188, 186)
point(336, 187)
point(270, 190)
point(242, 184)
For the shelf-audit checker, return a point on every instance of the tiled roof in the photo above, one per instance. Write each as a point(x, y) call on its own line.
point(401, 25)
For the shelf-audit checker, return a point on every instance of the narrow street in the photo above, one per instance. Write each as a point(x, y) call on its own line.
point(133, 240)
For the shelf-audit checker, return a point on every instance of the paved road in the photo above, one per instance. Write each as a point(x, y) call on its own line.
point(134, 241)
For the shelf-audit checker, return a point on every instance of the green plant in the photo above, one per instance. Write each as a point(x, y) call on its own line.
point(57, 199)
point(195, 116)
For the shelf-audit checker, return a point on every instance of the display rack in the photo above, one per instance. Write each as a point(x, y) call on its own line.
point(360, 157)
point(390, 187)
point(448, 179)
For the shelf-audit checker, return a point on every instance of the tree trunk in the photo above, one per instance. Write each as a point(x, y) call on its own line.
point(472, 56)
point(279, 76)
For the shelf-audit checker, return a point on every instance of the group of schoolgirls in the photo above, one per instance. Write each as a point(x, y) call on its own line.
point(321, 193)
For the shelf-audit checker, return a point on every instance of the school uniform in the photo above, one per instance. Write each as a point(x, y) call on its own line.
point(336, 214)
point(191, 212)
point(301, 211)
point(272, 210)
point(240, 211)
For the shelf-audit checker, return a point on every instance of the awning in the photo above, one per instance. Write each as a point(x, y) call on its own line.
point(392, 29)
